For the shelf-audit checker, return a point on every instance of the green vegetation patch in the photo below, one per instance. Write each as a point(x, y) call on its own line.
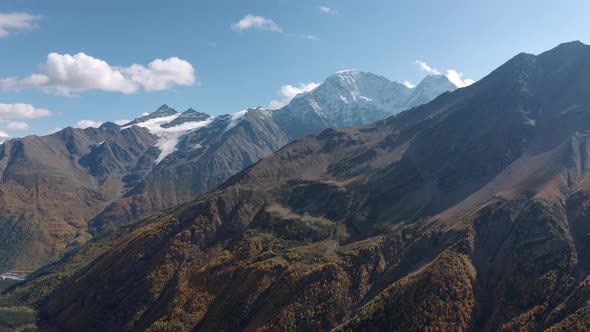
point(17, 318)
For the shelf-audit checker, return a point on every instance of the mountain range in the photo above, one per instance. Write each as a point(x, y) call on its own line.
point(468, 213)
point(60, 190)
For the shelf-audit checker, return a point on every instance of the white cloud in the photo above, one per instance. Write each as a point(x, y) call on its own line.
point(22, 111)
point(162, 74)
point(256, 22)
point(426, 68)
point(262, 23)
point(409, 85)
point(454, 76)
point(310, 37)
point(288, 92)
point(17, 126)
point(328, 10)
point(457, 79)
point(16, 21)
point(276, 104)
point(83, 124)
point(3, 134)
point(53, 131)
point(65, 74)
point(122, 122)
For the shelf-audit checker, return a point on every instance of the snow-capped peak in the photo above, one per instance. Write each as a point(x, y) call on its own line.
point(429, 88)
point(159, 124)
point(162, 111)
point(346, 71)
point(353, 98)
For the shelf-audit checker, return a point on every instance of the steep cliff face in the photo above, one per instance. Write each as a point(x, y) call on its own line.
point(467, 213)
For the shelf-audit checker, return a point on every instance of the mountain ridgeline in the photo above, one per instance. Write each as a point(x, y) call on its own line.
point(467, 213)
point(58, 191)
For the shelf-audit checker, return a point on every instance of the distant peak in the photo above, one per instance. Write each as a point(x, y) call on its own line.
point(164, 109)
point(573, 43)
point(108, 125)
point(190, 115)
point(347, 71)
point(439, 80)
point(191, 112)
point(569, 47)
point(257, 108)
point(435, 78)
point(348, 75)
point(573, 49)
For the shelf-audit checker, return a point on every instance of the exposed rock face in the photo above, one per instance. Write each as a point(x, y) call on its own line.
point(161, 112)
point(189, 115)
point(467, 213)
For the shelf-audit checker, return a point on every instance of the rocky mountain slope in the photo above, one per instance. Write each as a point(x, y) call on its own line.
point(51, 186)
point(206, 157)
point(58, 191)
point(467, 213)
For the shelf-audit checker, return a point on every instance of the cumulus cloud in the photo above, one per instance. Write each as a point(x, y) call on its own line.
point(83, 124)
point(17, 126)
point(288, 92)
point(426, 68)
point(457, 78)
point(16, 21)
point(409, 85)
point(328, 10)
point(3, 134)
point(162, 74)
point(65, 74)
point(23, 111)
point(256, 22)
point(453, 75)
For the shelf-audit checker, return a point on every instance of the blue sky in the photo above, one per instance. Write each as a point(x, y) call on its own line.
point(285, 42)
